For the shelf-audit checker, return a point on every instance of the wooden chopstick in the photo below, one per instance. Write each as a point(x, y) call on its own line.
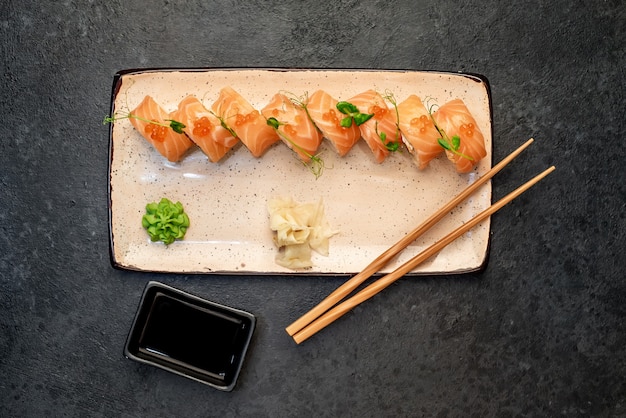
point(390, 278)
point(345, 289)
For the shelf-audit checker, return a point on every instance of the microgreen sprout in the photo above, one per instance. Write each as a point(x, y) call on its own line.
point(316, 164)
point(302, 101)
point(175, 125)
point(224, 125)
point(449, 144)
point(352, 113)
point(392, 145)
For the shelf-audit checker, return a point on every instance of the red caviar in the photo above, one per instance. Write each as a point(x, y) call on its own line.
point(243, 119)
point(202, 126)
point(156, 132)
point(290, 130)
point(421, 123)
point(331, 116)
point(378, 111)
point(467, 130)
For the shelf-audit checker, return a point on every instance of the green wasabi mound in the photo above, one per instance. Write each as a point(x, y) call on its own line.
point(165, 221)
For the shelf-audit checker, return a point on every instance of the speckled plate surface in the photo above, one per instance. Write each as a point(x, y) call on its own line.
point(372, 205)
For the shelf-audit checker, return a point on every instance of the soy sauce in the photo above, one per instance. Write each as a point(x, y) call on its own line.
point(202, 339)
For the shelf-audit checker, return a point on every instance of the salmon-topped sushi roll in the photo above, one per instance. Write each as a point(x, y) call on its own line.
point(245, 121)
point(418, 131)
point(322, 108)
point(453, 119)
point(293, 125)
point(154, 124)
point(204, 128)
point(381, 130)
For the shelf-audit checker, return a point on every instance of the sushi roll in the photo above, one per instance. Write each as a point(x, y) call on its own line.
point(293, 125)
point(322, 109)
point(247, 123)
point(419, 134)
point(204, 128)
point(453, 119)
point(381, 129)
point(153, 123)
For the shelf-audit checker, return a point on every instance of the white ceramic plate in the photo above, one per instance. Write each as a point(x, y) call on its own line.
point(372, 205)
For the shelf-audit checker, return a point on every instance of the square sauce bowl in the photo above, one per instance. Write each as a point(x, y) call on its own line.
point(190, 336)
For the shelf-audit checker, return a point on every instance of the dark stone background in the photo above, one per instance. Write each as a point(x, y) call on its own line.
point(540, 332)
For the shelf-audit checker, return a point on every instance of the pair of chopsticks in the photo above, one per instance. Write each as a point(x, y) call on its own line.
point(322, 315)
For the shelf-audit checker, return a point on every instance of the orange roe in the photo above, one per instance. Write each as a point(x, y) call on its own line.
point(420, 123)
point(378, 111)
point(290, 130)
point(202, 126)
point(467, 130)
point(331, 116)
point(243, 119)
point(156, 132)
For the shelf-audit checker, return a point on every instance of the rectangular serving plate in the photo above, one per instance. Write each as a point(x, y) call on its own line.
point(372, 205)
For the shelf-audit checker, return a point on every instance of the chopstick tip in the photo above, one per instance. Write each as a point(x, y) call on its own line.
point(298, 338)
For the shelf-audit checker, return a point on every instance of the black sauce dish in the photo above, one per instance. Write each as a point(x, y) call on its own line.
point(190, 336)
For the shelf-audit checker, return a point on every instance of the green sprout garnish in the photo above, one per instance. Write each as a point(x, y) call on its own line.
point(391, 146)
point(352, 113)
point(449, 144)
point(302, 101)
point(452, 145)
point(395, 145)
point(175, 125)
point(274, 123)
point(165, 221)
point(316, 165)
point(224, 125)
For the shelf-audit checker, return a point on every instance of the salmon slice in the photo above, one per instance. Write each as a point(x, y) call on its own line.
point(295, 128)
point(454, 119)
point(245, 121)
point(204, 128)
point(382, 124)
point(170, 144)
point(418, 131)
point(322, 108)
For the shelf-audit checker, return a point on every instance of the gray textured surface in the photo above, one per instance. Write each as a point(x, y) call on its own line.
point(541, 332)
